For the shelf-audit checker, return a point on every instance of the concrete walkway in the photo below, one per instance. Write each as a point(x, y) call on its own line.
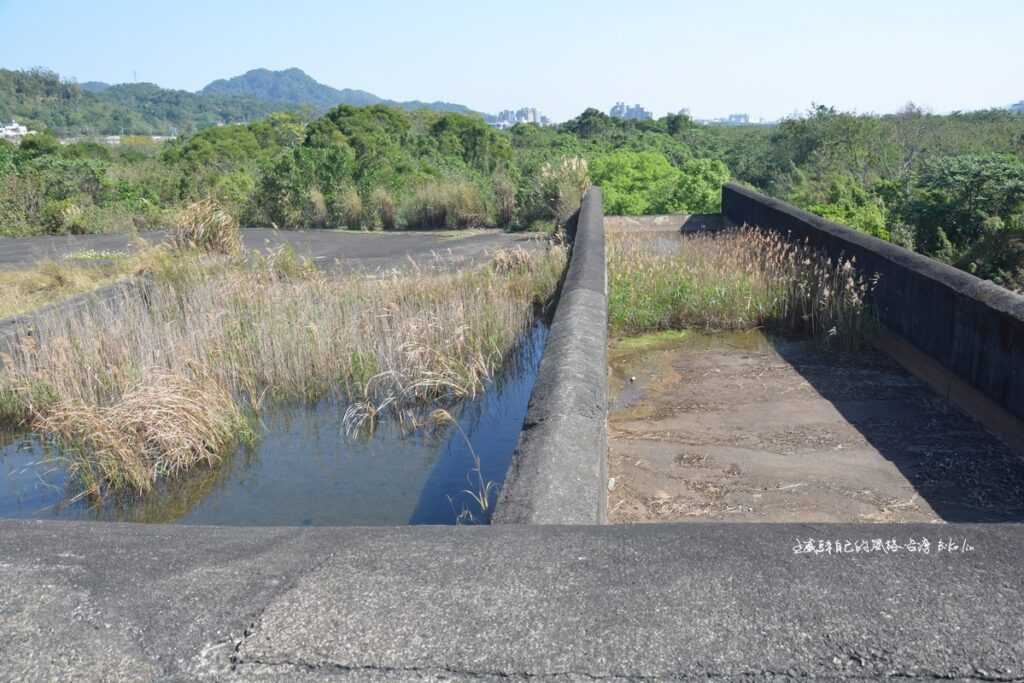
point(746, 427)
point(92, 601)
point(327, 248)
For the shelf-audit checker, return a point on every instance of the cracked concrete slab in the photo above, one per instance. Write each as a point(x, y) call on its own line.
point(131, 602)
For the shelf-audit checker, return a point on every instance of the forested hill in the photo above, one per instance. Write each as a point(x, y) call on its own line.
point(295, 87)
point(41, 100)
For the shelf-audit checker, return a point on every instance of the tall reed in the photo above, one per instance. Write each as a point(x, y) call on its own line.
point(272, 331)
point(735, 279)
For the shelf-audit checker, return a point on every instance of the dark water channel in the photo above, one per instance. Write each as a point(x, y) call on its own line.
point(304, 471)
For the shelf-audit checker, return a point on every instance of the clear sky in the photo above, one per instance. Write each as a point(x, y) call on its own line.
point(767, 58)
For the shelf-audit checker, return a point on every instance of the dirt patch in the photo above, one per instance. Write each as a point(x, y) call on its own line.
point(744, 427)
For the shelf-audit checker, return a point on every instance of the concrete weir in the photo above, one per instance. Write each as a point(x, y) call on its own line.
point(560, 468)
point(549, 592)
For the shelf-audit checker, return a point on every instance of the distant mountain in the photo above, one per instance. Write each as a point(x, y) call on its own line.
point(296, 88)
point(94, 86)
point(42, 100)
point(1019, 107)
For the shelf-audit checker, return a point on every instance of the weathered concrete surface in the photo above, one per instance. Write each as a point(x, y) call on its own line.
point(124, 602)
point(559, 469)
point(971, 326)
point(674, 223)
point(744, 428)
point(347, 249)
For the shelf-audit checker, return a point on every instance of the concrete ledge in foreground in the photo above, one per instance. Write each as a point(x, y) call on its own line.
point(92, 601)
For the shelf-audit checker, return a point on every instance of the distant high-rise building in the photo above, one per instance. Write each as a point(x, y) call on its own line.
point(509, 118)
point(631, 113)
point(738, 119)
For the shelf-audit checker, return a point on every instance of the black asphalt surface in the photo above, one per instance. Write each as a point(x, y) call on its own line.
point(83, 601)
point(329, 249)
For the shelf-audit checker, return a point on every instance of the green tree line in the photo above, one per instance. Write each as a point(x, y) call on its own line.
point(951, 186)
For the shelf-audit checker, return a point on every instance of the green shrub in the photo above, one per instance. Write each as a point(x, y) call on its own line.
point(505, 197)
point(314, 209)
point(445, 204)
point(61, 217)
point(347, 209)
point(383, 207)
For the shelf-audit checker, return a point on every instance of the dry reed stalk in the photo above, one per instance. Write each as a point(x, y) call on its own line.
point(161, 427)
point(283, 333)
point(736, 279)
point(207, 226)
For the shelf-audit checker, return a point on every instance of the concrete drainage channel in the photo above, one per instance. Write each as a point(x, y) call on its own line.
point(547, 592)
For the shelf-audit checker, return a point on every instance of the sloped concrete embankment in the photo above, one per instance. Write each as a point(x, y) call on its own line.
point(971, 327)
point(559, 470)
point(15, 330)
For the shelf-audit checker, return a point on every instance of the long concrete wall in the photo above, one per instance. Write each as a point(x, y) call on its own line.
point(559, 471)
point(971, 326)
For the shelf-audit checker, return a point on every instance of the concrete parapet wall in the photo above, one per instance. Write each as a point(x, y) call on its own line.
point(559, 470)
point(971, 326)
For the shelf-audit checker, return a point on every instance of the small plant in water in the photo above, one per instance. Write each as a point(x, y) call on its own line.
point(480, 490)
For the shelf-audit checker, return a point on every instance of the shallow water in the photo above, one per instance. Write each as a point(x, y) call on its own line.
point(304, 471)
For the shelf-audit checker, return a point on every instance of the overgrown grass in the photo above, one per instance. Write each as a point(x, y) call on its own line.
point(120, 383)
point(446, 204)
point(735, 279)
point(207, 226)
point(51, 281)
point(26, 289)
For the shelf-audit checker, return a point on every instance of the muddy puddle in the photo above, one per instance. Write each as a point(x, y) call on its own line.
point(304, 471)
point(748, 427)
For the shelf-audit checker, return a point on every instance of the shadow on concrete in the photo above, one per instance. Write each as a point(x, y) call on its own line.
point(963, 471)
point(700, 222)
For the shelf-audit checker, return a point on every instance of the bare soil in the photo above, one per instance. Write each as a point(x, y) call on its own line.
point(748, 428)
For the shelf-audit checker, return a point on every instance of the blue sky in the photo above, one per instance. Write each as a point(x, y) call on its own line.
point(762, 57)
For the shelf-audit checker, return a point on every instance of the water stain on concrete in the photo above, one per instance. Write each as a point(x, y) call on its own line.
point(747, 427)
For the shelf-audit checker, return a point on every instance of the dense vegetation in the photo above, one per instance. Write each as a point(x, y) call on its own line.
point(951, 187)
point(42, 101)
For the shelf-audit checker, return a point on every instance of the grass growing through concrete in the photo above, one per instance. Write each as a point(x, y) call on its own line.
point(127, 384)
point(201, 228)
point(30, 288)
point(734, 279)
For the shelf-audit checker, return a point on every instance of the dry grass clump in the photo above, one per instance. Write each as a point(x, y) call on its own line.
point(735, 279)
point(29, 288)
point(347, 210)
point(162, 425)
point(455, 204)
point(207, 226)
point(274, 331)
point(50, 281)
point(383, 208)
point(512, 260)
